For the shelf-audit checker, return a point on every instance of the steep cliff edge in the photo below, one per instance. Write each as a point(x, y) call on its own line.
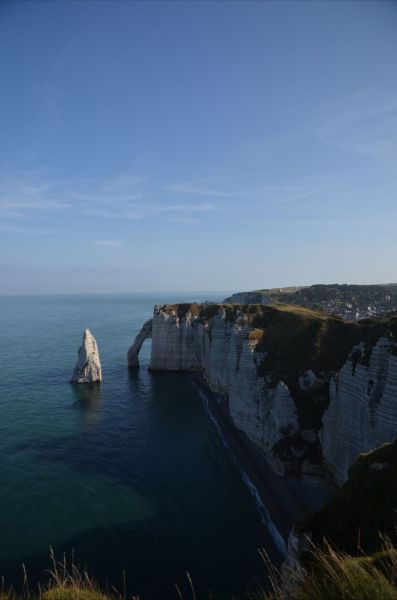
point(277, 369)
point(248, 298)
point(362, 413)
point(221, 343)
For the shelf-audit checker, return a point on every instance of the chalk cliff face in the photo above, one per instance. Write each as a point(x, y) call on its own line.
point(248, 298)
point(224, 351)
point(88, 367)
point(362, 413)
point(277, 369)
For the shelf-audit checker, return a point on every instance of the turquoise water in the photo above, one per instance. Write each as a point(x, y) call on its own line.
point(131, 476)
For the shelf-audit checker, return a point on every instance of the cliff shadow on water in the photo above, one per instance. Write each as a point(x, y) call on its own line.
point(143, 486)
point(280, 501)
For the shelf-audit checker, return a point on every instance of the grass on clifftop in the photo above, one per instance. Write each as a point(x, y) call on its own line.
point(295, 339)
point(334, 575)
point(364, 506)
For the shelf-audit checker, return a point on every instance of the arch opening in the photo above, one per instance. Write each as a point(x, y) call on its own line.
point(133, 353)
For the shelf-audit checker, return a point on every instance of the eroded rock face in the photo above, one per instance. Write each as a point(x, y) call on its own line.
point(222, 351)
point(362, 413)
point(88, 367)
point(144, 334)
point(227, 345)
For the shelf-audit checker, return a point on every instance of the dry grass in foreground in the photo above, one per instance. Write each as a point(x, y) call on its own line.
point(333, 575)
point(330, 575)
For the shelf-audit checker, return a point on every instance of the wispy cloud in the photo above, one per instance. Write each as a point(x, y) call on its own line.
point(6, 213)
point(39, 200)
point(111, 214)
point(24, 191)
point(31, 194)
point(202, 187)
point(104, 196)
point(123, 182)
point(34, 196)
point(26, 230)
point(186, 207)
point(187, 220)
point(253, 198)
point(108, 243)
point(364, 123)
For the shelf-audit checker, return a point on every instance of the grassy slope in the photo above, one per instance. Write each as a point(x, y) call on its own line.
point(364, 506)
point(354, 555)
point(326, 292)
point(334, 575)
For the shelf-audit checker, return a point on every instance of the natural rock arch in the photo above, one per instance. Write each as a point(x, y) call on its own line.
point(144, 334)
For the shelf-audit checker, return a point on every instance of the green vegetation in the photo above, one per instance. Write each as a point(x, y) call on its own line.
point(64, 584)
point(73, 592)
point(295, 339)
point(71, 584)
point(334, 575)
point(364, 506)
point(329, 575)
point(353, 555)
point(346, 300)
point(181, 310)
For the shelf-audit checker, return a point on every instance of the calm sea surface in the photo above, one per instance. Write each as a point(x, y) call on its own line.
point(131, 476)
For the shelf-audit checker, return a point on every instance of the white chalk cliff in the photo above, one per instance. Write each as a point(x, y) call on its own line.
point(221, 344)
point(88, 367)
point(362, 413)
point(222, 351)
point(248, 298)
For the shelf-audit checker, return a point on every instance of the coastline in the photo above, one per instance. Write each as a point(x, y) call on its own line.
point(284, 500)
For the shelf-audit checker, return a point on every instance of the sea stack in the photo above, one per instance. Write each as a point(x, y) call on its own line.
point(88, 367)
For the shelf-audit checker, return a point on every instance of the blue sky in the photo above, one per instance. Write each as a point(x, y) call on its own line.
point(197, 145)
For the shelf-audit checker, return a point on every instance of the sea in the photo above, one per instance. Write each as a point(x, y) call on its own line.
point(129, 480)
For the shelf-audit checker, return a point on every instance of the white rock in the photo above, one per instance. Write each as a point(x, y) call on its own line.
point(88, 367)
point(222, 351)
point(248, 298)
point(362, 413)
point(144, 334)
